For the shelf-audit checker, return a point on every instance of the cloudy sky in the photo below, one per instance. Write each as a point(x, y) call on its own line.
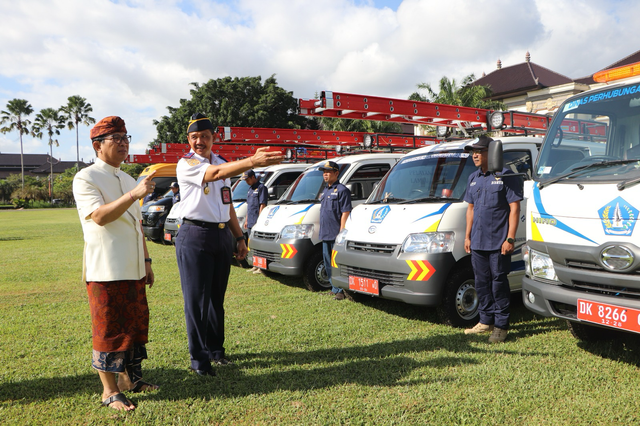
point(133, 58)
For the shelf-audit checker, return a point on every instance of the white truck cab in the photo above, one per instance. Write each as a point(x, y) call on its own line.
point(285, 238)
point(406, 242)
point(583, 249)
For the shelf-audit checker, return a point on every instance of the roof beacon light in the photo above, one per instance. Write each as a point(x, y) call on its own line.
point(368, 141)
point(617, 73)
point(496, 119)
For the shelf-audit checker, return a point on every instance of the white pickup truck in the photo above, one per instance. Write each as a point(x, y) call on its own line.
point(285, 238)
point(406, 242)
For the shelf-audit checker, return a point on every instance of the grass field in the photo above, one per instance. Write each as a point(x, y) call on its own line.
point(301, 358)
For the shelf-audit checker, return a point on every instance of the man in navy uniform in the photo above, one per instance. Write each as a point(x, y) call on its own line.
point(492, 220)
point(207, 238)
point(175, 188)
point(257, 198)
point(335, 206)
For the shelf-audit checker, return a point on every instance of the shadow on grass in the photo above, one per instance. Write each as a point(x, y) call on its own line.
point(623, 347)
point(380, 364)
point(11, 238)
point(289, 281)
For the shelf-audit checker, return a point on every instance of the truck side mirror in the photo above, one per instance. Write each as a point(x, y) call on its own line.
point(495, 156)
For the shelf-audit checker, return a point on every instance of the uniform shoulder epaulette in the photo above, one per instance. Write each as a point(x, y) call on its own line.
point(191, 160)
point(222, 158)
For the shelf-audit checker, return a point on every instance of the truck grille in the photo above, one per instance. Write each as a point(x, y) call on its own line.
point(606, 290)
point(271, 257)
point(371, 247)
point(265, 235)
point(172, 220)
point(383, 277)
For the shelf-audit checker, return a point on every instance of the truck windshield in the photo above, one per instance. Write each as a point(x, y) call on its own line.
point(240, 188)
point(308, 186)
point(594, 138)
point(426, 177)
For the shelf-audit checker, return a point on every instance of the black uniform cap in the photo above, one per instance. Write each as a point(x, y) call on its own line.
point(199, 123)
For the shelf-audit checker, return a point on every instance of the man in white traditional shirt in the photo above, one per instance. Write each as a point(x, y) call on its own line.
point(116, 263)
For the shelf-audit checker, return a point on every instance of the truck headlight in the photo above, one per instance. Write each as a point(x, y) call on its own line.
point(429, 242)
point(153, 209)
point(542, 266)
point(525, 259)
point(296, 232)
point(341, 238)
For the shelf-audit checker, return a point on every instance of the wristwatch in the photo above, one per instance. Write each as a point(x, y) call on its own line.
point(240, 238)
point(511, 240)
point(148, 259)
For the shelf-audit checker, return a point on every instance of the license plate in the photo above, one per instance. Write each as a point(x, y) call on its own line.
point(260, 262)
point(167, 237)
point(609, 315)
point(363, 285)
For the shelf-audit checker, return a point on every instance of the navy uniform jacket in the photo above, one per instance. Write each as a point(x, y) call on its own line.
point(256, 195)
point(176, 198)
point(334, 200)
point(491, 196)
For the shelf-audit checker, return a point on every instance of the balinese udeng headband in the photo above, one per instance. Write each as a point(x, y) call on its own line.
point(199, 123)
point(107, 126)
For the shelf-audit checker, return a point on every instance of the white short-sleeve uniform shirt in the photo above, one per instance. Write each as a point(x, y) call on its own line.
point(201, 201)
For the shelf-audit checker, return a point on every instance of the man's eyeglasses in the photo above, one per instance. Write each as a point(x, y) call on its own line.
point(118, 139)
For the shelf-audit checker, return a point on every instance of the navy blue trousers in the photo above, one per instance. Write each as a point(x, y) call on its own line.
point(492, 285)
point(204, 260)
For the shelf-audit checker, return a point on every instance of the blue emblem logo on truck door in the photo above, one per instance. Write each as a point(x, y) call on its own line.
point(618, 217)
point(379, 214)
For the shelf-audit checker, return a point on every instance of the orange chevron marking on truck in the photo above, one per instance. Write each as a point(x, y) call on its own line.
point(333, 259)
point(421, 270)
point(288, 251)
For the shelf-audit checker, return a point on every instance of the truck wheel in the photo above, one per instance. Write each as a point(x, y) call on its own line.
point(459, 306)
point(315, 274)
point(589, 333)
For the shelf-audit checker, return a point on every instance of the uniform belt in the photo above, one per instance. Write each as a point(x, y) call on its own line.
point(202, 224)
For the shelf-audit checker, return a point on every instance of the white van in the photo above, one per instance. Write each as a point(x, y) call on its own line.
point(406, 242)
point(583, 251)
point(285, 238)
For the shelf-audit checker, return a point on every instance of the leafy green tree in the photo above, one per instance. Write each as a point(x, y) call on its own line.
point(133, 170)
point(34, 190)
point(50, 121)
point(17, 109)
point(466, 94)
point(242, 102)
point(349, 125)
point(63, 185)
point(6, 189)
point(76, 112)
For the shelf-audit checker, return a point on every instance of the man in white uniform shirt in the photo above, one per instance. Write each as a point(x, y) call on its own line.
point(116, 263)
point(206, 239)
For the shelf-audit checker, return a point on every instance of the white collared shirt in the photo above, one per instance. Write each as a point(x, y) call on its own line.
point(194, 202)
point(115, 251)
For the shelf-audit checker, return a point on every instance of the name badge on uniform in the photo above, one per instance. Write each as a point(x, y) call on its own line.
point(225, 193)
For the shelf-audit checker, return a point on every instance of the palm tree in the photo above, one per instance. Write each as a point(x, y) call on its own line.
point(466, 94)
point(49, 120)
point(76, 112)
point(16, 110)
